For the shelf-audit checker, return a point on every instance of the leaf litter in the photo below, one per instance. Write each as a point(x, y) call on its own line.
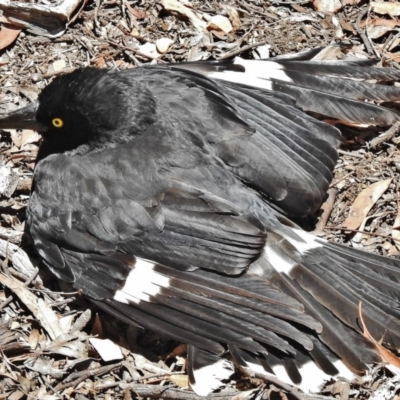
point(54, 345)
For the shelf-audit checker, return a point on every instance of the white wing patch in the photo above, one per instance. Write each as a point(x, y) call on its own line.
point(309, 241)
point(280, 260)
point(142, 283)
point(257, 73)
point(209, 378)
point(263, 69)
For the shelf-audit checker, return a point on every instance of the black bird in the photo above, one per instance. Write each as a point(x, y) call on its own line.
point(168, 198)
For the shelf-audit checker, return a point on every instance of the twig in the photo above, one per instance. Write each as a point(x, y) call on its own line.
point(347, 153)
point(386, 136)
point(340, 228)
point(327, 209)
point(362, 34)
point(233, 53)
point(290, 2)
point(342, 179)
point(77, 377)
point(167, 393)
point(258, 10)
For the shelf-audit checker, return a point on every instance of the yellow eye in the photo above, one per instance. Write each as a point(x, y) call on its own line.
point(57, 122)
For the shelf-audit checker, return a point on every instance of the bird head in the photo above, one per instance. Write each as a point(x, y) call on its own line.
point(85, 110)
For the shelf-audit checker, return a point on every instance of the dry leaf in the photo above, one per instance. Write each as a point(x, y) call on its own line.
point(364, 202)
point(66, 322)
point(174, 5)
point(396, 230)
point(34, 338)
point(16, 137)
point(73, 346)
point(350, 2)
point(180, 350)
point(377, 27)
point(180, 380)
point(327, 6)
point(17, 395)
point(58, 65)
point(387, 356)
point(392, 9)
point(375, 32)
point(163, 44)
point(390, 23)
point(44, 314)
point(136, 13)
point(107, 349)
point(149, 50)
point(8, 34)
point(29, 136)
point(233, 15)
point(97, 329)
point(219, 23)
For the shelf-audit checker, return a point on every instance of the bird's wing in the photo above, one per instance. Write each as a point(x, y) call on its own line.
point(150, 257)
point(335, 89)
point(262, 136)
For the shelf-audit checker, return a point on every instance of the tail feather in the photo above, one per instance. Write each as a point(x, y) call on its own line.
point(207, 372)
point(327, 296)
point(355, 351)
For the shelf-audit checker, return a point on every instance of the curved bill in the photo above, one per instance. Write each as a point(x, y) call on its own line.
point(22, 118)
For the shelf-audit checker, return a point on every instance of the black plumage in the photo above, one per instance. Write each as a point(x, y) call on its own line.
point(167, 197)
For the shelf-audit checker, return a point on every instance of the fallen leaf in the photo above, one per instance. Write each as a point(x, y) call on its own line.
point(389, 8)
point(364, 202)
point(149, 50)
point(350, 2)
point(29, 136)
point(327, 6)
point(377, 27)
point(390, 23)
point(136, 13)
point(233, 15)
point(175, 5)
point(396, 230)
point(73, 346)
point(34, 338)
point(179, 350)
point(180, 380)
point(66, 323)
point(17, 395)
point(387, 356)
point(107, 349)
point(16, 137)
point(163, 45)
point(97, 329)
point(58, 65)
point(375, 32)
point(219, 23)
point(44, 314)
point(8, 34)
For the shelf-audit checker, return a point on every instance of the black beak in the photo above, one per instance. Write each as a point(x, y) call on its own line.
point(23, 118)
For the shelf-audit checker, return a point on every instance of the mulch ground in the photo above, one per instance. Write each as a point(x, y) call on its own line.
point(45, 352)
